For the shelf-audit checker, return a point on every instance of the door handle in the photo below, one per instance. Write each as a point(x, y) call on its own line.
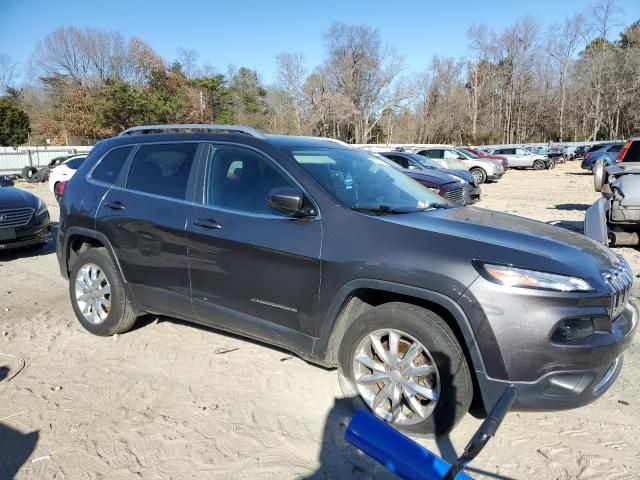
point(207, 223)
point(115, 205)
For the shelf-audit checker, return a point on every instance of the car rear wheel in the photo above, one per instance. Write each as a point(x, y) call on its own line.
point(538, 165)
point(479, 175)
point(599, 174)
point(98, 296)
point(404, 364)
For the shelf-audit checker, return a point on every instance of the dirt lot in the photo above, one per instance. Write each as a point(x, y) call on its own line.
point(172, 400)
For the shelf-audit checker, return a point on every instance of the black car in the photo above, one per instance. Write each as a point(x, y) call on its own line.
point(24, 219)
point(429, 309)
point(420, 167)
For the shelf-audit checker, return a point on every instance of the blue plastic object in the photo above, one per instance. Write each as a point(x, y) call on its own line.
point(397, 452)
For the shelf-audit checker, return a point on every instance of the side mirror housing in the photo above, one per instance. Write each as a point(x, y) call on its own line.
point(288, 200)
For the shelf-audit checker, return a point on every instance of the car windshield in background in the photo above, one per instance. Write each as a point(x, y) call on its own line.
point(362, 181)
point(424, 161)
point(468, 153)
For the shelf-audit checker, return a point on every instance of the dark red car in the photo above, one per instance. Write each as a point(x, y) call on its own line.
point(487, 156)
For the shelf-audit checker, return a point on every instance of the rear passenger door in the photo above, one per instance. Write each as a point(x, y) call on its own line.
point(254, 270)
point(144, 216)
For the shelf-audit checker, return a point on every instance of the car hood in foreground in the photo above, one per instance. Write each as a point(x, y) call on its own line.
point(508, 239)
point(11, 197)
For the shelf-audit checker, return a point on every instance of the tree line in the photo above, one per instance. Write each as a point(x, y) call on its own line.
point(568, 81)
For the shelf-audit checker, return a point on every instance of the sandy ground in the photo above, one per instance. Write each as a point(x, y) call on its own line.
point(172, 400)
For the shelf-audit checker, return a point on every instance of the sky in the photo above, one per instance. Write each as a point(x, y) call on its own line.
point(251, 33)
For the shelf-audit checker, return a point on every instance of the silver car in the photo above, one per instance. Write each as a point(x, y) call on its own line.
point(449, 157)
point(522, 158)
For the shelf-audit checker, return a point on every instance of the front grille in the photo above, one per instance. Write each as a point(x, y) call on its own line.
point(455, 195)
point(16, 217)
point(619, 279)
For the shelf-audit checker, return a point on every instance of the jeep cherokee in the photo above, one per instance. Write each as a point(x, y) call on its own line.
point(331, 253)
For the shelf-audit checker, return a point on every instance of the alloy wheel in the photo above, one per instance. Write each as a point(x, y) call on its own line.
point(396, 376)
point(93, 293)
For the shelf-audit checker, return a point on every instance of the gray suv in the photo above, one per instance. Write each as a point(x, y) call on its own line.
point(428, 309)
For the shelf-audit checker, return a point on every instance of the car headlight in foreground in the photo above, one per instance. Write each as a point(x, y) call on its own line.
point(42, 207)
point(520, 277)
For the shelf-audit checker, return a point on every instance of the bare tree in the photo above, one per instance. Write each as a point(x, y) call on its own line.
point(8, 72)
point(291, 77)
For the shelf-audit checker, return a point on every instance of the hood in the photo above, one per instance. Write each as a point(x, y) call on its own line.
point(11, 197)
point(508, 239)
point(436, 177)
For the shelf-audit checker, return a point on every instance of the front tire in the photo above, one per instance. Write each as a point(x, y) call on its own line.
point(98, 296)
point(479, 175)
point(404, 364)
point(538, 165)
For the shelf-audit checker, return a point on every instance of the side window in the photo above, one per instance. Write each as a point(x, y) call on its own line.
point(241, 179)
point(75, 163)
point(403, 162)
point(614, 148)
point(433, 153)
point(162, 169)
point(109, 167)
point(451, 155)
point(521, 151)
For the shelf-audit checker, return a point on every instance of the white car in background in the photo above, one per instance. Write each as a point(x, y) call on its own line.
point(64, 172)
point(522, 158)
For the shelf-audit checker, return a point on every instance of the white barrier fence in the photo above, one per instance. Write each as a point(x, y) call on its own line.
point(13, 160)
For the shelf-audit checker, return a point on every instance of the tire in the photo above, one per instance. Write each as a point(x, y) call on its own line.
point(479, 175)
point(120, 315)
point(599, 174)
point(452, 379)
point(552, 165)
point(28, 172)
point(538, 165)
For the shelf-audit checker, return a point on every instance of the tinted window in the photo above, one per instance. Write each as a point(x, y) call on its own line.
point(403, 162)
point(162, 169)
point(109, 167)
point(522, 151)
point(241, 179)
point(75, 163)
point(432, 153)
point(615, 148)
point(596, 147)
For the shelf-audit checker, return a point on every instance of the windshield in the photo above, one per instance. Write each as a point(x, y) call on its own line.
point(425, 161)
point(362, 181)
point(469, 153)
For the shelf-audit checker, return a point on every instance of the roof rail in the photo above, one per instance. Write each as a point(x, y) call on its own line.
point(195, 126)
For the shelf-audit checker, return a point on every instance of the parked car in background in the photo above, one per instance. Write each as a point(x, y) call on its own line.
point(62, 172)
point(24, 219)
point(605, 151)
point(413, 161)
point(481, 169)
point(481, 154)
point(330, 252)
point(519, 157)
point(579, 152)
point(615, 218)
point(6, 181)
point(449, 186)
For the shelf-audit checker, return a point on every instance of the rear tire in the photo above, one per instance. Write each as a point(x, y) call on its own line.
point(28, 172)
point(413, 325)
point(120, 314)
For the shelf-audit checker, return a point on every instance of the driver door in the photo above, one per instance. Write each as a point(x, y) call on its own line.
point(456, 160)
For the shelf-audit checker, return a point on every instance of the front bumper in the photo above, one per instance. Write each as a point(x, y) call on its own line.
point(495, 176)
point(37, 231)
point(598, 367)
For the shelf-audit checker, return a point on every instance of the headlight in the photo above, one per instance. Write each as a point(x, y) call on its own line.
point(42, 207)
point(520, 277)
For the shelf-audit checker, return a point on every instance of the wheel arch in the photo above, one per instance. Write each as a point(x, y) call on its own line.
point(78, 239)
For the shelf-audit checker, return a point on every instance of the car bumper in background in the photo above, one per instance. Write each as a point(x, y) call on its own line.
point(495, 176)
point(38, 231)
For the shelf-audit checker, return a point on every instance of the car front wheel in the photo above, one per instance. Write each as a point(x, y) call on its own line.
point(479, 176)
point(404, 364)
point(538, 165)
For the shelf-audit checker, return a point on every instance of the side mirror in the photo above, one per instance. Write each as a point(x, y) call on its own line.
point(460, 157)
point(288, 200)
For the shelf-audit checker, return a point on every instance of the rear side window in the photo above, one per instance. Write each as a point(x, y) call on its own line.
point(162, 169)
point(432, 153)
point(403, 162)
point(109, 167)
point(596, 147)
point(614, 148)
point(75, 163)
